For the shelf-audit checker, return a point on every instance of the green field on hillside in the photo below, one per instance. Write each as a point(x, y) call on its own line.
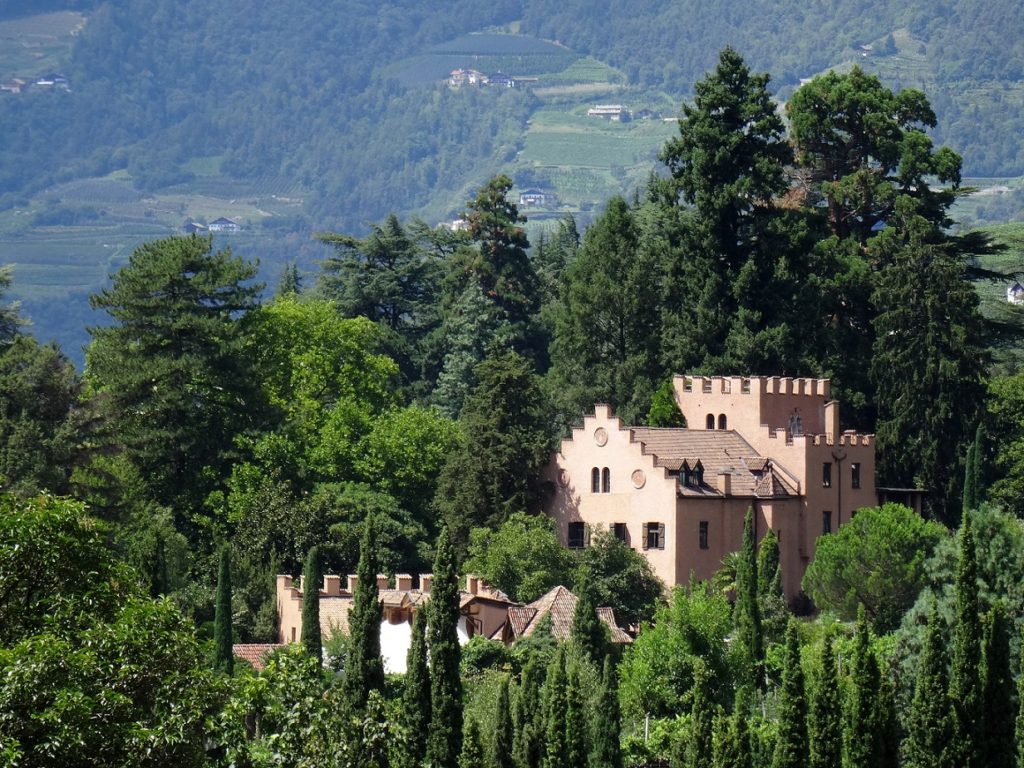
point(34, 45)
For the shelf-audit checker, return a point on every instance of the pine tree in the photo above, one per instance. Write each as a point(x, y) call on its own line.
point(416, 691)
point(588, 631)
point(364, 669)
point(311, 579)
point(791, 747)
point(929, 726)
point(529, 719)
point(504, 734)
point(998, 692)
point(771, 598)
point(555, 711)
point(699, 746)
point(607, 751)
point(472, 754)
point(290, 283)
point(825, 728)
point(224, 658)
point(974, 470)
point(860, 741)
point(1018, 734)
point(746, 613)
point(445, 738)
point(576, 720)
point(965, 672)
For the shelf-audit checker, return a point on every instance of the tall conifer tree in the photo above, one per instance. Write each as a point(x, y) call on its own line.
point(998, 692)
point(416, 691)
point(607, 752)
point(699, 744)
point(791, 746)
point(224, 658)
point(860, 740)
point(965, 672)
point(825, 726)
point(311, 579)
point(472, 754)
point(555, 710)
point(529, 721)
point(771, 598)
point(504, 734)
point(588, 631)
point(929, 726)
point(364, 671)
point(746, 612)
point(445, 740)
point(575, 719)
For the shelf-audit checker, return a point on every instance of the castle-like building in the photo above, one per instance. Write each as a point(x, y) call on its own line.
point(680, 495)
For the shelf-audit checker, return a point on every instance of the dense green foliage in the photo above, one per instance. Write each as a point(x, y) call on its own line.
point(445, 736)
point(224, 657)
point(364, 668)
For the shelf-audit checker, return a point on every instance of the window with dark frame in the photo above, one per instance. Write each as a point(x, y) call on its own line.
point(826, 522)
point(702, 535)
point(620, 531)
point(722, 421)
point(710, 422)
point(595, 480)
point(576, 535)
point(855, 475)
point(606, 480)
point(654, 535)
point(826, 475)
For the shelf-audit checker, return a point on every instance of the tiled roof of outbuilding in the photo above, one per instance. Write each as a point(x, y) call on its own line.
point(255, 653)
point(560, 604)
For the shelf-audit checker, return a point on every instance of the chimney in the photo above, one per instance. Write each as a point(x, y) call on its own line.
point(403, 582)
point(383, 582)
point(425, 580)
point(352, 581)
point(332, 585)
point(472, 584)
point(725, 483)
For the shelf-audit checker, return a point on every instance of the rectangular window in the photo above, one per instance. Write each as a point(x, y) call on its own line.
point(826, 522)
point(703, 534)
point(620, 531)
point(577, 533)
point(654, 535)
point(855, 475)
point(826, 475)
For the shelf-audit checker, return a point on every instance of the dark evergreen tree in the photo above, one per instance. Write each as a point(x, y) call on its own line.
point(699, 744)
point(364, 667)
point(311, 580)
point(529, 719)
point(825, 727)
point(416, 692)
point(504, 733)
point(290, 282)
point(588, 631)
point(746, 612)
point(888, 732)
point(555, 714)
point(998, 694)
point(664, 410)
point(734, 749)
point(493, 472)
point(929, 725)
point(1018, 734)
point(472, 754)
point(445, 740)
point(965, 672)
point(224, 657)
point(607, 751)
point(771, 598)
point(791, 746)
point(974, 467)
point(860, 739)
point(576, 720)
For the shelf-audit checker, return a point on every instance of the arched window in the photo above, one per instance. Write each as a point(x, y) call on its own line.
point(595, 480)
point(711, 421)
point(721, 421)
point(606, 480)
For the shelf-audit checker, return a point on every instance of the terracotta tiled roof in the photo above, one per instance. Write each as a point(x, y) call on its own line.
point(718, 451)
point(560, 605)
point(255, 653)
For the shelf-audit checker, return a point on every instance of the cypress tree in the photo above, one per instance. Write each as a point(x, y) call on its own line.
point(965, 673)
point(503, 734)
point(734, 746)
point(746, 613)
point(888, 734)
point(859, 738)
point(607, 752)
point(575, 720)
point(364, 671)
point(588, 631)
point(699, 745)
point(998, 692)
point(555, 710)
point(791, 747)
point(416, 692)
point(445, 740)
point(929, 726)
point(472, 754)
point(1019, 730)
point(529, 740)
point(971, 490)
point(825, 730)
point(311, 579)
point(771, 598)
point(224, 657)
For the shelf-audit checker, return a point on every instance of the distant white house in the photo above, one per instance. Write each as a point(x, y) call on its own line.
point(1015, 294)
point(536, 198)
point(224, 225)
point(608, 111)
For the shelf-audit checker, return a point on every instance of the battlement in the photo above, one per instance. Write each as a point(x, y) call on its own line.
point(848, 437)
point(757, 385)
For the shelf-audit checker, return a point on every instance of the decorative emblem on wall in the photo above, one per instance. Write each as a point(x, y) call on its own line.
point(639, 478)
point(600, 436)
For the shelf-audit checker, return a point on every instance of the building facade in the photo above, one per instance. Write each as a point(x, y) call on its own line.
point(679, 495)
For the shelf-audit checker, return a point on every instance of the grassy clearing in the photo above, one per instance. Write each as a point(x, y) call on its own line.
point(33, 45)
